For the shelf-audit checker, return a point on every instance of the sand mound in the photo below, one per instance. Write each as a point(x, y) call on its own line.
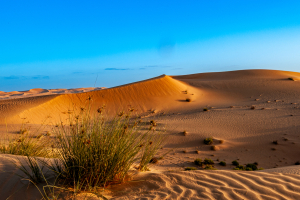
point(38, 90)
point(210, 185)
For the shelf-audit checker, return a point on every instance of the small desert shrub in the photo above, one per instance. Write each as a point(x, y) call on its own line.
point(208, 141)
point(198, 152)
point(222, 163)
point(235, 163)
point(184, 151)
point(252, 166)
point(252, 107)
point(190, 168)
point(297, 163)
point(239, 167)
point(291, 78)
point(185, 133)
point(188, 100)
point(208, 161)
point(209, 167)
point(275, 142)
point(205, 109)
point(221, 141)
point(198, 162)
point(26, 145)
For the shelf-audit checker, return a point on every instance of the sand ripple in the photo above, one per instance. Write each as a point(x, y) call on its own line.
point(211, 185)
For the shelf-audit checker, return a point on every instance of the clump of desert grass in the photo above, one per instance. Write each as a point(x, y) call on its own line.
point(208, 141)
point(97, 152)
point(26, 144)
point(92, 151)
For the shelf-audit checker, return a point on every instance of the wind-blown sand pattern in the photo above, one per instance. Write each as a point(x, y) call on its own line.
point(248, 110)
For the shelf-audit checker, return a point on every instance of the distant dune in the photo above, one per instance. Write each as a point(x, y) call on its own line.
point(247, 111)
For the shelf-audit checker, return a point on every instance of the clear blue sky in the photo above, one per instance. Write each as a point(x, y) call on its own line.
point(68, 44)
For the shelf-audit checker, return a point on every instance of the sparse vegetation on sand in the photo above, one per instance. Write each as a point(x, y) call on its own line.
point(208, 141)
point(92, 152)
point(222, 163)
point(190, 168)
point(248, 167)
point(205, 109)
point(209, 167)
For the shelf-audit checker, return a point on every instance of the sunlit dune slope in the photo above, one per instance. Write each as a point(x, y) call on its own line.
point(161, 92)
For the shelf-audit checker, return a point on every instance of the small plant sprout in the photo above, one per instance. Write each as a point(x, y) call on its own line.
point(208, 141)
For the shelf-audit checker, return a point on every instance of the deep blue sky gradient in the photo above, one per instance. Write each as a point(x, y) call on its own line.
point(68, 44)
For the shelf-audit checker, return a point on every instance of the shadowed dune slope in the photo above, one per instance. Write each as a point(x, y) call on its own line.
point(161, 92)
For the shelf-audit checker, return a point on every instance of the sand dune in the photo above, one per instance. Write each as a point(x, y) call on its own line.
point(247, 111)
point(42, 92)
point(155, 94)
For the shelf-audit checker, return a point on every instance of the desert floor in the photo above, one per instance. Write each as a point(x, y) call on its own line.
point(247, 111)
